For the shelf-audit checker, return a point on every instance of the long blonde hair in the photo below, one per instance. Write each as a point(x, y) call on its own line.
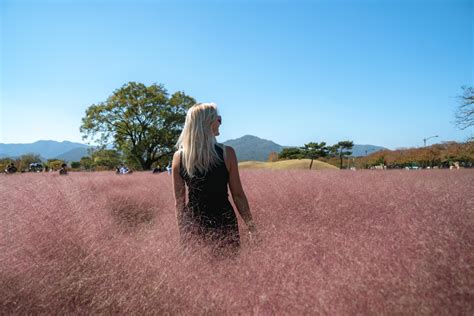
point(197, 141)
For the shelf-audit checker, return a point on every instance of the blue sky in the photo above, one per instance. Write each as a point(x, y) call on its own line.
point(376, 72)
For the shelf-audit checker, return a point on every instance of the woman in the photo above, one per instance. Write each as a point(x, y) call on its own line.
point(207, 168)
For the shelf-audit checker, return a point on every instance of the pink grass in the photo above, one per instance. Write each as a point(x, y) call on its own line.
point(334, 242)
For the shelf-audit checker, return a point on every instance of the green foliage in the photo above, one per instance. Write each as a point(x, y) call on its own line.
point(4, 162)
point(342, 150)
point(26, 160)
point(163, 162)
point(380, 161)
point(143, 122)
point(314, 151)
point(291, 153)
point(133, 163)
point(75, 164)
point(106, 158)
point(54, 164)
point(87, 163)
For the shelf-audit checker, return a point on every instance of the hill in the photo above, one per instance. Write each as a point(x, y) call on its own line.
point(74, 154)
point(364, 150)
point(247, 148)
point(250, 147)
point(47, 149)
point(286, 165)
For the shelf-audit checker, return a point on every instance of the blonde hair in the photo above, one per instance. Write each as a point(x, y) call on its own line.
point(197, 141)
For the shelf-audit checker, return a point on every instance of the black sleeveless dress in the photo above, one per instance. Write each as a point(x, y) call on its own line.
point(209, 214)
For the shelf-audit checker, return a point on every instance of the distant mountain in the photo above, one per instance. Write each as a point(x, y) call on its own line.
point(247, 148)
point(363, 150)
point(47, 149)
point(74, 154)
point(250, 147)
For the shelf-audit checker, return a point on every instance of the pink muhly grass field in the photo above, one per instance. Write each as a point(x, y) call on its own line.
point(333, 242)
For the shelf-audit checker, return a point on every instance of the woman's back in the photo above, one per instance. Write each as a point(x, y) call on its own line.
point(209, 211)
point(209, 187)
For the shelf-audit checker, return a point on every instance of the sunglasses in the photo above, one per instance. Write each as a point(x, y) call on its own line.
point(219, 119)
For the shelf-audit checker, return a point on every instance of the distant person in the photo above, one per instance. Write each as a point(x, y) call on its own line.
point(157, 169)
point(10, 169)
point(121, 169)
point(63, 169)
point(206, 168)
point(168, 168)
point(124, 170)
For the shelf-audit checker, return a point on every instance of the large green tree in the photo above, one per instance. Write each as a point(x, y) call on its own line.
point(314, 151)
point(143, 122)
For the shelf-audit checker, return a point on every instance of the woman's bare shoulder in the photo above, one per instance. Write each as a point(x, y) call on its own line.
point(230, 152)
point(227, 149)
point(177, 158)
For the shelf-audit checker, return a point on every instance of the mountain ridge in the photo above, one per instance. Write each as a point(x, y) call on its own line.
point(247, 148)
point(47, 149)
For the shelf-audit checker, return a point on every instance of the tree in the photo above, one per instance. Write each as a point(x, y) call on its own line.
point(106, 158)
point(291, 153)
point(54, 164)
point(342, 149)
point(142, 122)
point(87, 163)
point(272, 157)
point(465, 111)
point(27, 159)
point(4, 163)
point(314, 151)
point(75, 164)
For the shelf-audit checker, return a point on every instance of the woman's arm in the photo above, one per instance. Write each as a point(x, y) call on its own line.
point(179, 187)
point(238, 194)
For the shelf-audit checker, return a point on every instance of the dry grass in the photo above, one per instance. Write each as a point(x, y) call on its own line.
point(298, 164)
point(334, 242)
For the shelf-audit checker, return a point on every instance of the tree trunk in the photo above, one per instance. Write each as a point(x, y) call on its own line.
point(311, 164)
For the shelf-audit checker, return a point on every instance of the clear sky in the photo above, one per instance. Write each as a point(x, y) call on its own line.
point(376, 72)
